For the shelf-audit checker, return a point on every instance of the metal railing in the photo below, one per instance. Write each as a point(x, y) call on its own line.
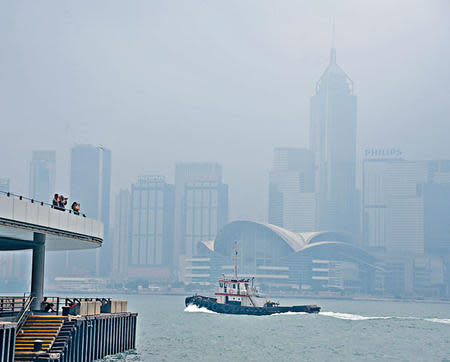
point(11, 304)
point(41, 203)
point(25, 312)
point(57, 303)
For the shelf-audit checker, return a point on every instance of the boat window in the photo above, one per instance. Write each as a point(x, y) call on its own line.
point(221, 285)
point(234, 286)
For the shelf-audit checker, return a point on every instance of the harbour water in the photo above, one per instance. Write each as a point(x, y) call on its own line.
point(343, 331)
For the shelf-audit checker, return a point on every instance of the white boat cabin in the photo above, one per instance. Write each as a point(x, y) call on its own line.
point(239, 292)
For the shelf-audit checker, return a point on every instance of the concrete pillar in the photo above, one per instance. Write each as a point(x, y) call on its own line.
point(37, 273)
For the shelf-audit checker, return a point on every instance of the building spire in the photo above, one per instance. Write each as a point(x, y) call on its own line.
point(333, 49)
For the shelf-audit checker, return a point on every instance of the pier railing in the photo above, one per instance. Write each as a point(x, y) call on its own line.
point(24, 313)
point(14, 305)
point(9, 305)
point(37, 202)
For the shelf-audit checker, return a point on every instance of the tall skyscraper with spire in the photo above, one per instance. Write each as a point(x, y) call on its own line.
point(333, 141)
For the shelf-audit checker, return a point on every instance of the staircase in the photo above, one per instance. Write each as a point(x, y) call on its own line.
point(63, 340)
point(42, 327)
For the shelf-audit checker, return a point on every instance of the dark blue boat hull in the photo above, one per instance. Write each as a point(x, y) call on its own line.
point(212, 305)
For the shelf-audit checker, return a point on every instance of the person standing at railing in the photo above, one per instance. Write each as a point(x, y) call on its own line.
point(62, 203)
point(76, 208)
point(55, 201)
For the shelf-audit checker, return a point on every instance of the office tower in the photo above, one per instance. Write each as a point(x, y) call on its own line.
point(393, 207)
point(90, 185)
point(14, 265)
point(333, 141)
point(292, 202)
point(152, 222)
point(4, 184)
point(121, 235)
point(42, 175)
point(205, 212)
point(187, 173)
point(436, 195)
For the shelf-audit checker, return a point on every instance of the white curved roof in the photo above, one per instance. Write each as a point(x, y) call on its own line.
point(295, 241)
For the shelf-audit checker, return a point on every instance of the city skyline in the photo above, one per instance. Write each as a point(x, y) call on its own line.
point(309, 189)
point(204, 113)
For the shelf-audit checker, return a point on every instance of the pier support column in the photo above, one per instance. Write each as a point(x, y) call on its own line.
point(37, 273)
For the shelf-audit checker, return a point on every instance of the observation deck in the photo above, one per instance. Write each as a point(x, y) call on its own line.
point(29, 224)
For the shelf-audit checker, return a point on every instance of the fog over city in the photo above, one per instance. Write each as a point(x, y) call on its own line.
point(162, 82)
point(168, 162)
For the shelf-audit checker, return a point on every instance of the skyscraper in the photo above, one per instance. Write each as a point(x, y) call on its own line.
point(187, 173)
point(393, 208)
point(90, 185)
point(436, 195)
point(14, 265)
point(4, 184)
point(333, 141)
point(205, 212)
point(291, 190)
point(121, 235)
point(151, 228)
point(42, 175)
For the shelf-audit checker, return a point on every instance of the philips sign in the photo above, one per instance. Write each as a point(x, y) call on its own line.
point(382, 152)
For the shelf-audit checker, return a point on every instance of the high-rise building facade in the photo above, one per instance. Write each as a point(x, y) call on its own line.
point(90, 185)
point(186, 173)
point(42, 175)
point(4, 184)
point(292, 201)
point(393, 208)
point(205, 212)
point(436, 195)
point(151, 228)
point(333, 142)
point(121, 244)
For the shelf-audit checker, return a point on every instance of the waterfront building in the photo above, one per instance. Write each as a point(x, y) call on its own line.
point(436, 195)
point(151, 228)
point(42, 175)
point(189, 173)
point(90, 185)
point(279, 258)
point(333, 142)
point(393, 208)
point(205, 212)
point(404, 205)
point(292, 201)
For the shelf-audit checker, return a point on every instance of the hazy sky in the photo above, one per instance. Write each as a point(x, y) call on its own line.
point(160, 82)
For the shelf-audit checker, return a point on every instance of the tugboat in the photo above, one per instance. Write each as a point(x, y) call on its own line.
point(239, 296)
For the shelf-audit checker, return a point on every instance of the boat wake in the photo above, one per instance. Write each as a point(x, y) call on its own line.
point(192, 308)
point(438, 320)
point(357, 317)
point(351, 317)
point(290, 313)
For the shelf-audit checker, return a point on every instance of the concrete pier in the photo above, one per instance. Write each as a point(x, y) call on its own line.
point(90, 328)
point(7, 341)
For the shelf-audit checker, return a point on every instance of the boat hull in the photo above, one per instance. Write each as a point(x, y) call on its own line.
point(212, 305)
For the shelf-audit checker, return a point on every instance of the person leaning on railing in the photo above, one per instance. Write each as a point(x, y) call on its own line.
point(76, 208)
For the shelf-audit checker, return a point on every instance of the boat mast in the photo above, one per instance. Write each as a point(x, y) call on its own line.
point(235, 260)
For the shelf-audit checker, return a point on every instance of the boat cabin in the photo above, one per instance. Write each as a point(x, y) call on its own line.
point(238, 292)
